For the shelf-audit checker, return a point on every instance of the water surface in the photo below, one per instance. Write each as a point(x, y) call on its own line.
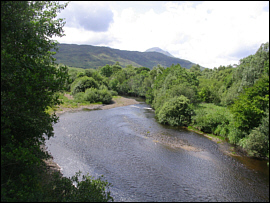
point(146, 161)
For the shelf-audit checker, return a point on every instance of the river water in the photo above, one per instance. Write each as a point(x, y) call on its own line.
point(147, 161)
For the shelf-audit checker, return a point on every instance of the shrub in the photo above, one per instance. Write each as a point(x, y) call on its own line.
point(113, 93)
point(257, 142)
point(94, 95)
point(105, 96)
point(175, 112)
point(214, 119)
point(86, 190)
point(91, 95)
point(79, 97)
point(83, 83)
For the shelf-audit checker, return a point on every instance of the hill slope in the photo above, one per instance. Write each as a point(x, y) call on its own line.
point(88, 56)
point(159, 50)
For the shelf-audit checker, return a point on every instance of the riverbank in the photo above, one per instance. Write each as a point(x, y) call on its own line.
point(117, 101)
point(232, 151)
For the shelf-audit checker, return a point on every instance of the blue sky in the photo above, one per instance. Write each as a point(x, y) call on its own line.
point(207, 33)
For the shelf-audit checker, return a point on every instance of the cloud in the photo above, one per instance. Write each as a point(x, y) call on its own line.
point(88, 15)
point(80, 36)
point(208, 33)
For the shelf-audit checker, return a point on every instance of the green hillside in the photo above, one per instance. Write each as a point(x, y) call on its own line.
point(88, 56)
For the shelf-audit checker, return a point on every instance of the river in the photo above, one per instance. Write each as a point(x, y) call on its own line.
point(147, 161)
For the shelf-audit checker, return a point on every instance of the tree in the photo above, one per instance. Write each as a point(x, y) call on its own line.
point(30, 82)
point(250, 107)
point(106, 71)
point(83, 83)
point(29, 78)
point(176, 112)
point(257, 142)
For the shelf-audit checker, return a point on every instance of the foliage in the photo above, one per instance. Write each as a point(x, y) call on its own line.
point(83, 83)
point(250, 107)
point(174, 81)
point(31, 65)
point(79, 97)
point(210, 118)
point(175, 112)
point(30, 84)
point(208, 90)
point(73, 190)
point(257, 142)
point(94, 95)
point(106, 71)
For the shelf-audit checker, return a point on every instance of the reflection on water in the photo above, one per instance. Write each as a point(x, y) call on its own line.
point(146, 161)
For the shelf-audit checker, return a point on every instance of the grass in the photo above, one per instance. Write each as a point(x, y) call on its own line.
point(201, 132)
point(212, 119)
point(71, 103)
point(68, 103)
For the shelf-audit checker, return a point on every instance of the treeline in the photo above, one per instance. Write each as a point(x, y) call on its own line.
point(232, 102)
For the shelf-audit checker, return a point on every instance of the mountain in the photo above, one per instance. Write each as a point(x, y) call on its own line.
point(159, 50)
point(88, 56)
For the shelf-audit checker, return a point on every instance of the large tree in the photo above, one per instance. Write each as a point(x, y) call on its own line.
point(29, 77)
point(29, 82)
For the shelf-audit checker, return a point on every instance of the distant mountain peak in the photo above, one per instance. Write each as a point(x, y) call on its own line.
point(88, 56)
point(159, 50)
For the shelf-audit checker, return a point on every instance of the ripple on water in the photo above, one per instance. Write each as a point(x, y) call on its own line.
point(146, 161)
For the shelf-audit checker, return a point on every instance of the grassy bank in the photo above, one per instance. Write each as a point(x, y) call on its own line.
point(71, 104)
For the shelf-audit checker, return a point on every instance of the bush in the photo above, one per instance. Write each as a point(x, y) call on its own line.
point(79, 97)
point(91, 95)
point(94, 95)
point(257, 142)
point(175, 112)
point(105, 96)
point(86, 190)
point(214, 119)
point(113, 93)
point(83, 83)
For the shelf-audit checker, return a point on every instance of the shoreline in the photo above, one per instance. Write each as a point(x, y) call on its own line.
point(116, 102)
point(123, 101)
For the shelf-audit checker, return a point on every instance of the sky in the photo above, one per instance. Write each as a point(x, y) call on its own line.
point(204, 32)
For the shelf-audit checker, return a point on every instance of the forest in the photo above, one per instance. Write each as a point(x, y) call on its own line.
point(230, 102)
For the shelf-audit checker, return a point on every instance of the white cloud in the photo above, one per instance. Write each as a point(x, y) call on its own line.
point(89, 16)
point(207, 33)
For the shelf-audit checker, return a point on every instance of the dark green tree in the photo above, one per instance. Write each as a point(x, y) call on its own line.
point(106, 71)
point(30, 82)
point(176, 112)
point(250, 107)
point(29, 77)
point(83, 83)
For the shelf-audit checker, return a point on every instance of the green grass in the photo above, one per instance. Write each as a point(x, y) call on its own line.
point(208, 134)
point(212, 119)
point(68, 103)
